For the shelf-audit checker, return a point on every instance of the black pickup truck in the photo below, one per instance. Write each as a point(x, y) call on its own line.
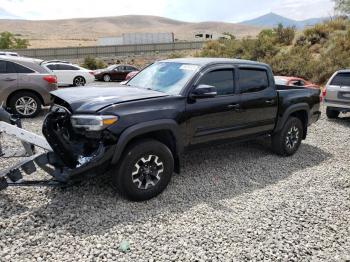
point(139, 131)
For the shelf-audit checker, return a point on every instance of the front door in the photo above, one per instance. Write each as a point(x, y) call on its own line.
point(8, 79)
point(214, 118)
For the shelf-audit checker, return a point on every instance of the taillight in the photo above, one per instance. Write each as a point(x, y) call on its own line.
point(323, 94)
point(92, 73)
point(50, 79)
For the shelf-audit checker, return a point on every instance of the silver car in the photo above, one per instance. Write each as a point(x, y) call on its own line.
point(25, 86)
point(337, 94)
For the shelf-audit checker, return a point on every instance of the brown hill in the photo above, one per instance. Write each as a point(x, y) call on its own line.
point(85, 31)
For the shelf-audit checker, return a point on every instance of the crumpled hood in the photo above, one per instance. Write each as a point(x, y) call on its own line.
point(93, 99)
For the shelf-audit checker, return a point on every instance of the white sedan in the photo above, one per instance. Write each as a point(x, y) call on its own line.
point(71, 75)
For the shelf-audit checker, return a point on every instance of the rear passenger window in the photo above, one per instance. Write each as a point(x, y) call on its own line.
point(7, 68)
point(21, 69)
point(67, 67)
point(222, 79)
point(52, 67)
point(341, 79)
point(252, 80)
point(3, 67)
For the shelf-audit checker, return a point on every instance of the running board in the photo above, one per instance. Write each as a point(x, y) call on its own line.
point(24, 135)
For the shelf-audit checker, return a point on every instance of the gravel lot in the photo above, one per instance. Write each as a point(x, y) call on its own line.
point(230, 203)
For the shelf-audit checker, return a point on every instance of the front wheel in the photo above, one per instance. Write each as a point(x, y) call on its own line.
point(144, 171)
point(106, 78)
point(287, 141)
point(25, 104)
point(331, 113)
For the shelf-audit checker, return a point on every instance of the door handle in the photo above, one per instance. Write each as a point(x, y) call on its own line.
point(270, 101)
point(235, 107)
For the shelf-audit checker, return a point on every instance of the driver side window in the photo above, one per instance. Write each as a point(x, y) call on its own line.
point(222, 79)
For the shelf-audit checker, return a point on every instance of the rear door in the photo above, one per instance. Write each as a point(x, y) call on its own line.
point(338, 90)
point(258, 103)
point(67, 73)
point(8, 79)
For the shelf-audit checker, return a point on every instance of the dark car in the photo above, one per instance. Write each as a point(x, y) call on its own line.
point(139, 132)
point(114, 73)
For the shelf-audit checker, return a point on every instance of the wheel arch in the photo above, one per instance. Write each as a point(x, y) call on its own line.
point(165, 131)
point(300, 111)
point(11, 95)
point(79, 76)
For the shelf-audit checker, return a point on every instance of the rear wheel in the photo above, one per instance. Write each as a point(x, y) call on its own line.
point(79, 81)
point(287, 141)
point(25, 104)
point(144, 171)
point(331, 113)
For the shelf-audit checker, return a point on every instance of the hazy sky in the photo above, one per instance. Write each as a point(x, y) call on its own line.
point(188, 10)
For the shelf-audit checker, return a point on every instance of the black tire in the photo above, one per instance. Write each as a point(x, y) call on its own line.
point(331, 113)
point(33, 103)
point(288, 140)
point(131, 177)
point(106, 78)
point(79, 81)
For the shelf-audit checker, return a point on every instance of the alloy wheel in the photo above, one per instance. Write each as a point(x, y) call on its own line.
point(106, 78)
point(147, 172)
point(26, 106)
point(79, 81)
point(292, 137)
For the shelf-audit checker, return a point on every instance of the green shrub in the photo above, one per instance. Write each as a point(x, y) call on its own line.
point(339, 23)
point(284, 35)
point(317, 34)
point(315, 54)
point(9, 41)
point(93, 63)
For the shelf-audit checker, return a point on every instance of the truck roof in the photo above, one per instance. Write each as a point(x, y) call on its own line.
point(343, 71)
point(203, 61)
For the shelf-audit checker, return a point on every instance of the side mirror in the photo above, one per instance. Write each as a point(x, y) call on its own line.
point(204, 91)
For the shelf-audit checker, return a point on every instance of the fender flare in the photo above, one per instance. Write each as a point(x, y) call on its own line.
point(144, 128)
point(292, 109)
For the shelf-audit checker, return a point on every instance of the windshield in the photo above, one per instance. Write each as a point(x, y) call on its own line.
point(111, 67)
point(166, 77)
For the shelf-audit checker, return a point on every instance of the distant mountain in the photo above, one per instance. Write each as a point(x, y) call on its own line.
point(85, 31)
point(272, 19)
point(6, 15)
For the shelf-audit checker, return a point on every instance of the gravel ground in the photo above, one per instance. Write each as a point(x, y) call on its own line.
point(235, 202)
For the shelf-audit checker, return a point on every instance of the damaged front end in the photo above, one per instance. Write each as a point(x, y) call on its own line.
point(75, 147)
point(81, 144)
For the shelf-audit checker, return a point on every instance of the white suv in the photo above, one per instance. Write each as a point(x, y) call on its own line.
point(70, 75)
point(337, 94)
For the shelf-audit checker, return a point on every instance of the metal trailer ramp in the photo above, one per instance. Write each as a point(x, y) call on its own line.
point(29, 159)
